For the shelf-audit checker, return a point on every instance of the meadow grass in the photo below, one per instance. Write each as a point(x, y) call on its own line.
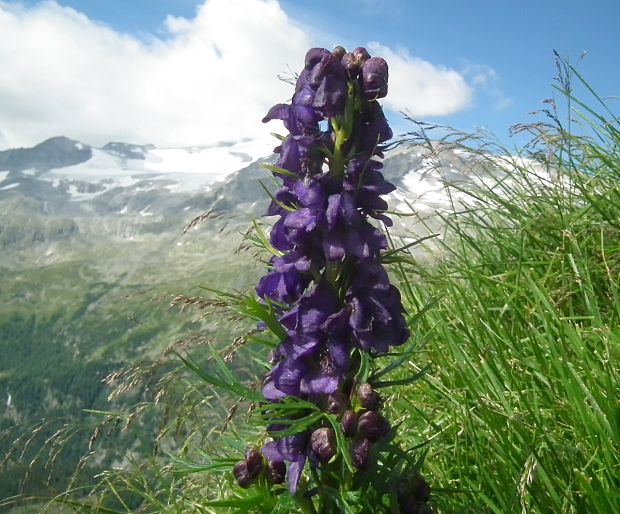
point(522, 401)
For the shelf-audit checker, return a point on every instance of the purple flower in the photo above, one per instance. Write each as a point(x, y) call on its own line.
point(299, 155)
point(288, 280)
point(376, 319)
point(298, 119)
point(322, 84)
point(374, 130)
point(292, 449)
point(347, 232)
point(366, 182)
point(311, 311)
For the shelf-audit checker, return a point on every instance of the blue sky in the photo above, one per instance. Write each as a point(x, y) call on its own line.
point(488, 63)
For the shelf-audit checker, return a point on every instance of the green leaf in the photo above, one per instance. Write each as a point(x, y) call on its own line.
point(401, 249)
point(184, 467)
point(289, 208)
point(279, 171)
point(296, 426)
point(341, 442)
point(403, 381)
point(222, 377)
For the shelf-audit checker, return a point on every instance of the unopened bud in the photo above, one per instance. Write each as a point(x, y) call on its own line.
point(254, 463)
point(373, 425)
point(360, 450)
point(349, 423)
point(420, 488)
point(276, 472)
point(323, 443)
point(413, 494)
point(240, 472)
point(350, 64)
point(367, 396)
point(338, 52)
point(361, 54)
point(336, 403)
point(374, 78)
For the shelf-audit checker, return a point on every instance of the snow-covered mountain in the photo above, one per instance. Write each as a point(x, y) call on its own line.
point(61, 160)
point(63, 188)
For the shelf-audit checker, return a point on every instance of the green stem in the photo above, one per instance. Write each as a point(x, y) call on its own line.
point(305, 504)
point(343, 127)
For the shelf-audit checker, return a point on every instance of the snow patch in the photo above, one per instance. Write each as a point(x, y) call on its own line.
point(191, 169)
point(10, 186)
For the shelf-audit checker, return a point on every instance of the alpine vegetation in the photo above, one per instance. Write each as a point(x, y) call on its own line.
point(327, 303)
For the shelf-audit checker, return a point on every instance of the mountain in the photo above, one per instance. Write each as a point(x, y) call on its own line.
point(56, 189)
point(93, 251)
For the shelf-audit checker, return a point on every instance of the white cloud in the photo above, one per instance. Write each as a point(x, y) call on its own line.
point(205, 79)
point(210, 78)
point(420, 87)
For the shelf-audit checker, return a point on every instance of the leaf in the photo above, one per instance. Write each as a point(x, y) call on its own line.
point(263, 312)
point(403, 381)
point(184, 467)
point(296, 426)
point(289, 208)
point(279, 171)
point(401, 249)
point(245, 502)
point(222, 376)
point(341, 442)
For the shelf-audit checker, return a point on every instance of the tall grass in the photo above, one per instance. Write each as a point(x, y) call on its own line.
point(523, 399)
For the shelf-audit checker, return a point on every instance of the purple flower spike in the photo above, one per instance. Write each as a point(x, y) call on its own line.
point(330, 291)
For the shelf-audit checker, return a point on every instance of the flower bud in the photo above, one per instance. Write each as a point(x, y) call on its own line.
point(351, 64)
point(240, 472)
point(276, 472)
point(349, 423)
point(420, 488)
point(367, 396)
point(374, 78)
point(373, 425)
point(336, 403)
point(360, 449)
point(361, 54)
point(254, 463)
point(323, 443)
point(413, 494)
point(338, 52)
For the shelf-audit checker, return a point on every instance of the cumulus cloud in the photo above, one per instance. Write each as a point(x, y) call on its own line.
point(420, 87)
point(202, 80)
point(207, 79)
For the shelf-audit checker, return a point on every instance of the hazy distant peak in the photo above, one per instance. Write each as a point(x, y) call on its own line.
point(55, 152)
point(127, 150)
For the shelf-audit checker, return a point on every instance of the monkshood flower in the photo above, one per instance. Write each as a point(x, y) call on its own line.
point(326, 284)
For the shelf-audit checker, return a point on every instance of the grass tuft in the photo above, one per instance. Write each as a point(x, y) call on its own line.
point(523, 400)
